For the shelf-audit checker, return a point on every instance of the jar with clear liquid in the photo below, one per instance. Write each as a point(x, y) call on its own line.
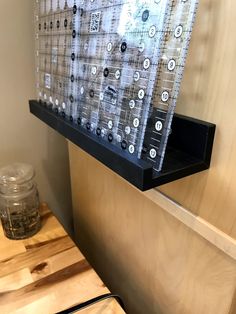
point(19, 201)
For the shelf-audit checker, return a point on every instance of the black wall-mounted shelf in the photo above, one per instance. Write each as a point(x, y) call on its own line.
point(189, 148)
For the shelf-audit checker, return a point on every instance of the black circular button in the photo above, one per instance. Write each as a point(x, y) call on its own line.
point(106, 72)
point(73, 56)
point(123, 47)
point(45, 25)
point(51, 25)
point(91, 93)
point(58, 23)
point(65, 23)
point(74, 34)
point(110, 137)
point(98, 131)
point(72, 78)
point(71, 98)
point(74, 9)
point(124, 144)
point(88, 125)
point(71, 119)
point(145, 15)
point(79, 121)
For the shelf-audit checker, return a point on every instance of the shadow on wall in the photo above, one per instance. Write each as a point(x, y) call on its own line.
point(59, 179)
point(47, 152)
point(24, 138)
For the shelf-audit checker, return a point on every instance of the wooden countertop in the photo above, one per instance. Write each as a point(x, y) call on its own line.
point(47, 273)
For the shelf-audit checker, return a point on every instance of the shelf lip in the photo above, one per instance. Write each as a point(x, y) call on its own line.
point(136, 171)
point(177, 164)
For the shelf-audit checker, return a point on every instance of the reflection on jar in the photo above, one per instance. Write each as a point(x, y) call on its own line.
point(19, 201)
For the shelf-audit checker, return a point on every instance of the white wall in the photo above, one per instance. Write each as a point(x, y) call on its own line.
point(23, 137)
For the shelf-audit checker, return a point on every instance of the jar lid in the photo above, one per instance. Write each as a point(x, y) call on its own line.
point(16, 173)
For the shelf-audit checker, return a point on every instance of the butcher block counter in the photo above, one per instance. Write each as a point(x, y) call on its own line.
point(47, 274)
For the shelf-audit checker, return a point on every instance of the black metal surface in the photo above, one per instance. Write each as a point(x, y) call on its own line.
point(93, 301)
point(189, 149)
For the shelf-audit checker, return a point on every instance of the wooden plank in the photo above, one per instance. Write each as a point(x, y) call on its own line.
point(64, 259)
point(233, 305)
point(15, 280)
point(9, 248)
point(55, 263)
point(65, 288)
point(50, 230)
point(209, 232)
point(43, 283)
point(50, 274)
point(35, 255)
point(164, 266)
point(208, 93)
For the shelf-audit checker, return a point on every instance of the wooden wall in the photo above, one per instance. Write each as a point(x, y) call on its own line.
point(208, 92)
point(175, 253)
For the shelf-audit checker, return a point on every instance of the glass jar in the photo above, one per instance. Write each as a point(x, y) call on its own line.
point(19, 201)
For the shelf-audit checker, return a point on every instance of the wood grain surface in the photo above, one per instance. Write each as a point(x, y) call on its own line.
point(215, 236)
point(47, 273)
point(172, 269)
point(154, 261)
point(208, 93)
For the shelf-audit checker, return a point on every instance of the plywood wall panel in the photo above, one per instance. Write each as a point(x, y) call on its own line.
point(155, 262)
point(208, 93)
point(158, 264)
